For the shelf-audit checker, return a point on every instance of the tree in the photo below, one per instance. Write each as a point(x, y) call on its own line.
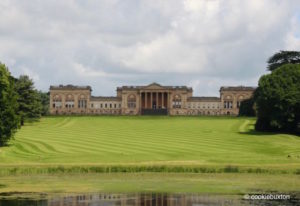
point(44, 97)
point(30, 107)
point(278, 100)
point(283, 57)
point(9, 120)
point(247, 108)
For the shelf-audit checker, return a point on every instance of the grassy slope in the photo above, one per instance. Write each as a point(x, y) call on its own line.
point(209, 141)
point(166, 140)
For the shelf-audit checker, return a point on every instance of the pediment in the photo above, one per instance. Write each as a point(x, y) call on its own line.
point(154, 86)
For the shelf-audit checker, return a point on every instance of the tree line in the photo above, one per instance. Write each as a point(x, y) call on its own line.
point(276, 101)
point(19, 102)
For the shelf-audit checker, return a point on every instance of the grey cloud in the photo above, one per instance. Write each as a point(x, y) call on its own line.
point(108, 43)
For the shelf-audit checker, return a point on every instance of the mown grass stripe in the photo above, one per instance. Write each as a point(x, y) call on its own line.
point(103, 139)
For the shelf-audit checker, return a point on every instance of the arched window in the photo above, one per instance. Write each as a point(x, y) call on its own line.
point(82, 102)
point(131, 100)
point(228, 102)
point(69, 101)
point(176, 101)
point(238, 102)
point(57, 103)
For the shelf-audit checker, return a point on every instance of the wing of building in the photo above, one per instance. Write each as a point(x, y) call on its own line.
point(153, 99)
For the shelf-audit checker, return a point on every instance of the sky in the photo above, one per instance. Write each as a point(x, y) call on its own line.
point(110, 43)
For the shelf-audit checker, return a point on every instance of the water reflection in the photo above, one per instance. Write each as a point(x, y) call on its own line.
point(134, 200)
point(137, 200)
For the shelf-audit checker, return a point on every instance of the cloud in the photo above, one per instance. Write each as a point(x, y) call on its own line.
point(108, 43)
point(293, 36)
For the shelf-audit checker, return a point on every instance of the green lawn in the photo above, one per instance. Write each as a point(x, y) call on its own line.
point(151, 182)
point(163, 140)
point(85, 143)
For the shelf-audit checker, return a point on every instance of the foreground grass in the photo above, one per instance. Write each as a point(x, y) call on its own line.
point(160, 154)
point(149, 140)
point(149, 182)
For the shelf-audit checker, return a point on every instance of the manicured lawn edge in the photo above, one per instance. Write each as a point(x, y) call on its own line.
point(62, 169)
point(210, 183)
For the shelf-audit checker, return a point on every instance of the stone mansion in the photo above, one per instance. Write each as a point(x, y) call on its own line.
point(153, 99)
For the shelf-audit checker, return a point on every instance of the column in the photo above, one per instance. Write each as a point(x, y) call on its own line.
point(141, 103)
point(63, 102)
point(159, 102)
point(168, 102)
point(76, 101)
point(146, 100)
point(156, 100)
point(162, 99)
point(151, 103)
point(233, 102)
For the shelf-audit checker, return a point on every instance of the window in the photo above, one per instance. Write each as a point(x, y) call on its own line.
point(82, 103)
point(131, 100)
point(69, 104)
point(69, 101)
point(228, 104)
point(115, 105)
point(57, 103)
point(177, 101)
point(101, 105)
point(92, 105)
point(110, 105)
point(240, 99)
point(105, 105)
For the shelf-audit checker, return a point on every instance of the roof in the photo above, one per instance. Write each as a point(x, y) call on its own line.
point(70, 87)
point(237, 88)
point(203, 99)
point(102, 98)
point(154, 85)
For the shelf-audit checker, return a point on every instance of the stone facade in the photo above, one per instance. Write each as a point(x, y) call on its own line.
point(151, 99)
point(231, 98)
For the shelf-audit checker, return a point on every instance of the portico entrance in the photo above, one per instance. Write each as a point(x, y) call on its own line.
point(154, 103)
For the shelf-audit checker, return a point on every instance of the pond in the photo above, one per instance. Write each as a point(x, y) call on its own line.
point(141, 199)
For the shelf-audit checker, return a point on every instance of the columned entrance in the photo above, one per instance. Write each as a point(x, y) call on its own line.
point(154, 103)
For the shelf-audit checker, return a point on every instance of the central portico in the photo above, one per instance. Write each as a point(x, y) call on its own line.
point(153, 99)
